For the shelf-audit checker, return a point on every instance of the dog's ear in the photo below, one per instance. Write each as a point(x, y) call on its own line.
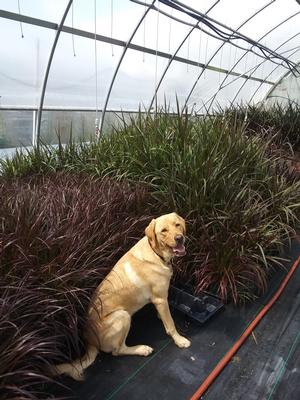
point(150, 233)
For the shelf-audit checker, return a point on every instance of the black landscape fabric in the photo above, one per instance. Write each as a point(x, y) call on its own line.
point(266, 367)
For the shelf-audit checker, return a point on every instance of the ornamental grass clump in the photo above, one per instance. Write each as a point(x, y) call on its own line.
point(59, 236)
point(225, 183)
point(212, 171)
point(281, 122)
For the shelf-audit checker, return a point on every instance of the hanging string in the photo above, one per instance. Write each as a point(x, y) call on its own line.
point(188, 50)
point(144, 33)
point(112, 24)
point(263, 67)
point(96, 72)
point(246, 61)
point(221, 65)
point(73, 40)
point(230, 52)
point(235, 54)
point(200, 43)
point(156, 57)
point(204, 75)
point(221, 59)
point(170, 29)
point(21, 26)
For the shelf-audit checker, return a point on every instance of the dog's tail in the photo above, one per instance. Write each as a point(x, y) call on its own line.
point(77, 367)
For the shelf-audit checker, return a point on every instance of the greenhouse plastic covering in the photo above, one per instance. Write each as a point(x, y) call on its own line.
point(125, 55)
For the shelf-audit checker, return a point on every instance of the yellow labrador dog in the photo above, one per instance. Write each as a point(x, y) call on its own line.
point(141, 276)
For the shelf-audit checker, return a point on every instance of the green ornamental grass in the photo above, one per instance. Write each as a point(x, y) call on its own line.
point(69, 212)
point(211, 171)
point(281, 122)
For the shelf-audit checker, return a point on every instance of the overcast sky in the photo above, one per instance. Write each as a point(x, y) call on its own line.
point(72, 78)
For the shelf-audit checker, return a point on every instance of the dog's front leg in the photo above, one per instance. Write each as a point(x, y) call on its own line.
point(163, 310)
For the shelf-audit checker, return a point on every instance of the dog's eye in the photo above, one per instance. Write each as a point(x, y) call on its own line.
point(178, 225)
point(164, 230)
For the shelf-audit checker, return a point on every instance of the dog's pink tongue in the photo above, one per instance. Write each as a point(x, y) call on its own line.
point(179, 250)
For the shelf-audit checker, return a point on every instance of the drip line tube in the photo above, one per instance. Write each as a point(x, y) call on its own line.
point(225, 360)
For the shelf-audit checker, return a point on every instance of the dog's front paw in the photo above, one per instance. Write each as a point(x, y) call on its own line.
point(78, 375)
point(181, 341)
point(143, 350)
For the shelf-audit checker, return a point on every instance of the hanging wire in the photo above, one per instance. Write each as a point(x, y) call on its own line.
point(221, 63)
point(255, 68)
point(199, 48)
point(170, 30)
point(188, 51)
point(112, 24)
point(225, 33)
point(221, 58)
point(21, 26)
point(218, 28)
point(174, 55)
point(144, 33)
point(156, 54)
point(246, 62)
point(216, 36)
point(262, 70)
point(252, 70)
point(205, 70)
point(73, 39)
point(96, 71)
point(235, 55)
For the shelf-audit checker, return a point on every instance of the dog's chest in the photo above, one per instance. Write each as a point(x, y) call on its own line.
point(140, 288)
point(132, 276)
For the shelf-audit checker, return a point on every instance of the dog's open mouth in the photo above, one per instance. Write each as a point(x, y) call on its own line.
point(179, 250)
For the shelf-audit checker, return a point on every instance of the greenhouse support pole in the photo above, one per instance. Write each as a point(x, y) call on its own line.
point(270, 73)
point(119, 64)
point(257, 66)
point(220, 48)
point(40, 109)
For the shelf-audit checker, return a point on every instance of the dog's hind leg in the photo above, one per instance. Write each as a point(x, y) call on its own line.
point(114, 331)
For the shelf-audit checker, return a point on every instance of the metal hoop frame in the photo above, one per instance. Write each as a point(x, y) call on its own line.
point(220, 48)
point(245, 76)
point(241, 58)
point(40, 109)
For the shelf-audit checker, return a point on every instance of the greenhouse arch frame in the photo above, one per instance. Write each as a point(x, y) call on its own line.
point(241, 67)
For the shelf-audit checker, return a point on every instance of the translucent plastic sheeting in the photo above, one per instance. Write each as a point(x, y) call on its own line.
point(135, 82)
point(114, 18)
point(225, 97)
point(51, 10)
point(207, 97)
point(72, 78)
point(287, 90)
point(62, 124)
point(23, 61)
point(15, 129)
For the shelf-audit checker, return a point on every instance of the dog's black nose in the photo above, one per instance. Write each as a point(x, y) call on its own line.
point(179, 239)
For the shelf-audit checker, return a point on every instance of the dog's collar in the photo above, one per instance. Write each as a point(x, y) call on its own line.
point(158, 254)
point(166, 262)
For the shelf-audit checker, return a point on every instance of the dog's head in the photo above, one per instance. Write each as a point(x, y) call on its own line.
point(166, 235)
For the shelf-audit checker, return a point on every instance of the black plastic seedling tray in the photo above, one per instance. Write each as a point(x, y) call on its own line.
point(198, 308)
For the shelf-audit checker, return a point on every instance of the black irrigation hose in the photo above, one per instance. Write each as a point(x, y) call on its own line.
point(268, 54)
point(217, 37)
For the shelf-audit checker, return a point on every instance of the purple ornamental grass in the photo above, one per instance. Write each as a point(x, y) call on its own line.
point(59, 236)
